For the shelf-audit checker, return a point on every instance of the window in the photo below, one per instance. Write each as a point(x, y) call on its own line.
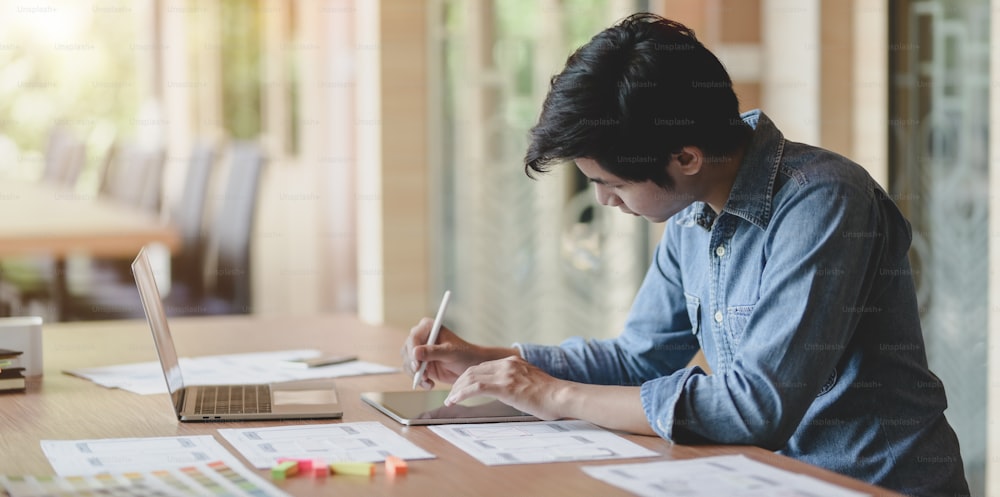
point(527, 260)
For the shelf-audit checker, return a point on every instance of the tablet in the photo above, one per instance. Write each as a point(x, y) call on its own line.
point(426, 407)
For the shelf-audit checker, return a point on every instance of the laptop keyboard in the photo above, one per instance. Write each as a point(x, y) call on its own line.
point(233, 399)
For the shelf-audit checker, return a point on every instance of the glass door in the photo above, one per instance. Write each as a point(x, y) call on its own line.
point(939, 175)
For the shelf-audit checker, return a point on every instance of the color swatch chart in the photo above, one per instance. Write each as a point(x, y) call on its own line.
point(215, 479)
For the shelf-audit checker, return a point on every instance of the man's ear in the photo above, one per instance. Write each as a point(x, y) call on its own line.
point(689, 160)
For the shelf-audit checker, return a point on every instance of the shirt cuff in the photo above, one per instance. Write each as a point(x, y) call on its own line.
point(548, 358)
point(520, 350)
point(659, 401)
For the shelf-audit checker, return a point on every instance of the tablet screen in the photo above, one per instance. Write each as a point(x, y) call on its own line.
point(426, 407)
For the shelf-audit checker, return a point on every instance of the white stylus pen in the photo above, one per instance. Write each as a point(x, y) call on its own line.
point(435, 329)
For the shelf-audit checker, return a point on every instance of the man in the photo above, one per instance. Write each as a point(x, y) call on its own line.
point(785, 263)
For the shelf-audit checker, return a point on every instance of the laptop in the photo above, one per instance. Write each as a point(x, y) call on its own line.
point(307, 399)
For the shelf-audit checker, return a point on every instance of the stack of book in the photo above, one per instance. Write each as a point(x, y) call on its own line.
point(11, 372)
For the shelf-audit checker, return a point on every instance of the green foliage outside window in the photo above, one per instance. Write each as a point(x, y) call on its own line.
point(241, 32)
point(70, 63)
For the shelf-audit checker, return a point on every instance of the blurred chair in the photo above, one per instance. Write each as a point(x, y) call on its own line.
point(106, 289)
point(65, 156)
point(211, 273)
point(229, 241)
point(133, 174)
point(188, 215)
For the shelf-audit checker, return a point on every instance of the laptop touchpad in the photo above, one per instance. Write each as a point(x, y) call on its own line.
point(300, 397)
point(304, 392)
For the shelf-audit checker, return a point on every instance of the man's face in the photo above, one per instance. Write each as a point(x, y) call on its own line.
point(646, 199)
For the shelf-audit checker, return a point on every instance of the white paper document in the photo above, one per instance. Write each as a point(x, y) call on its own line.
point(538, 441)
point(120, 455)
point(146, 378)
point(368, 441)
point(732, 476)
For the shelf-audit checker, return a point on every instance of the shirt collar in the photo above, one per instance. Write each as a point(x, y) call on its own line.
point(753, 189)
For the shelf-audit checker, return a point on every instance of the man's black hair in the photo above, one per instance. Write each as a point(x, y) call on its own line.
point(636, 93)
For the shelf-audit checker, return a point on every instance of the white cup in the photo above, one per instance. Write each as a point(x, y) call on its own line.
point(24, 334)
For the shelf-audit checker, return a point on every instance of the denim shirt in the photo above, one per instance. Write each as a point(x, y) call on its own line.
point(801, 296)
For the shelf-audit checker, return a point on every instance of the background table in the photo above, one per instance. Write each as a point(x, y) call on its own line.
point(38, 219)
point(61, 407)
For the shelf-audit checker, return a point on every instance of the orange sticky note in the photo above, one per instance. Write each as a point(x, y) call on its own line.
point(395, 466)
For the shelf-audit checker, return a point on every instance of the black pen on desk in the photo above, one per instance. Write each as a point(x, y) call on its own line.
point(319, 362)
point(435, 329)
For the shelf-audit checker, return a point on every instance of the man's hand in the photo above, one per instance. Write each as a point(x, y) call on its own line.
point(501, 373)
point(515, 382)
point(448, 358)
point(519, 384)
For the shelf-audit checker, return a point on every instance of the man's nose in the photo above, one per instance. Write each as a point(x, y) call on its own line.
point(605, 196)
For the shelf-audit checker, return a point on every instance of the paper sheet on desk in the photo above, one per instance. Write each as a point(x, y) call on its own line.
point(120, 455)
point(732, 476)
point(539, 442)
point(368, 441)
point(146, 378)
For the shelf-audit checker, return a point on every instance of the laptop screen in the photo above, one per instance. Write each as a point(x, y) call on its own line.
point(157, 319)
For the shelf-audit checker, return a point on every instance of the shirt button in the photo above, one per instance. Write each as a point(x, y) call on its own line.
point(718, 316)
point(720, 251)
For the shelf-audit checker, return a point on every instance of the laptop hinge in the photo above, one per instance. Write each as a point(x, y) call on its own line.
point(178, 400)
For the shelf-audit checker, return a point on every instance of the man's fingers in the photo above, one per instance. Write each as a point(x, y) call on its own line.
point(436, 352)
point(419, 333)
point(473, 382)
point(417, 338)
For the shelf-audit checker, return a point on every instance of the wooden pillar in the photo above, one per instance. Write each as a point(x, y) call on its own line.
point(392, 141)
point(870, 141)
point(791, 69)
point(338, 218)
point(836, 81)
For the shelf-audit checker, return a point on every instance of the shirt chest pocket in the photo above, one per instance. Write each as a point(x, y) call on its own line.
point(737, 317)
point(694, 312)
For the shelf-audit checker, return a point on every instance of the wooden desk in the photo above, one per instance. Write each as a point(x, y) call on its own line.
point(58, 407)
point(38, 219)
